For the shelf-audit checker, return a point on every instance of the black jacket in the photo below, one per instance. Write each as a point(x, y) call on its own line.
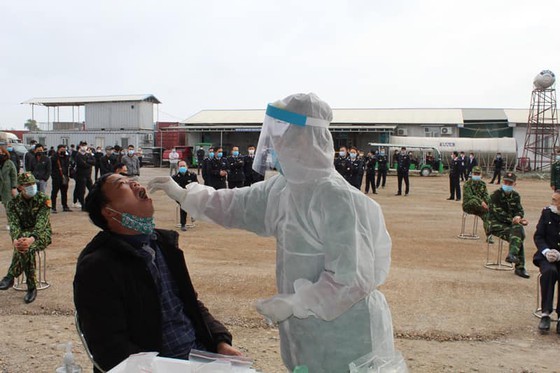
point(185, 179)
point(59, 170)
point(40, 167)
point(118, 304)
point(547, 235)
point(236, 167)
point(84, 162)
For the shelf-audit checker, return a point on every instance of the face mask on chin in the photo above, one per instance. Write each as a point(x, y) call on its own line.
point(553, 208)
point(143, 225)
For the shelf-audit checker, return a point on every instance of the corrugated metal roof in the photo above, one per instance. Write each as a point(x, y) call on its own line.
point(369, 116)
point(79, 101)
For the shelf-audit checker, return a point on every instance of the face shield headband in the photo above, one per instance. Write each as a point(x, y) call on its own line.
point(276, 122)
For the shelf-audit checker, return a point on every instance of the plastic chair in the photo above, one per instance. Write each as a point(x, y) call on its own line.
point(538, 310)
point(84, 342)
point(499, 264)
point(40, 272)
point(473, 234)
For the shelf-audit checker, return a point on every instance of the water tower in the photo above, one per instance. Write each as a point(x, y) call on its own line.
point(542, 125)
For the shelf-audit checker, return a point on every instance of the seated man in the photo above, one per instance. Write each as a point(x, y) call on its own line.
point(547, 258)
point(184, 178)
point(475, 196)
point(30, 230)
point(505, 220)
point(132, 290)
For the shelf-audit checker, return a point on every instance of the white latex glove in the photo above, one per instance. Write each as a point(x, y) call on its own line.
point(277, 308)
point(169, 186)
point(552, 255)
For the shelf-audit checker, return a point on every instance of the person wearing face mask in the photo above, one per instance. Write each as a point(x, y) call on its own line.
point(333, 249)
point(475, 197)
point(84, 164)
point(219, 169)
point(547, 258)
point(40, 167)
point(356, 172)
point(403, 166)
point(144, 300)
point(342, 163)
point(8, 178)
point(28, 157)
point(30, 231)
point(370, 163)
point(236, 169)
point(555, 171)
point(60, 178)
point(14, 157)
point(132, 162)
point(498, 166)
point(108, 161)
point(382, 167)
point(206, 175)
point(506, 221)
point(173, 161)
point(251, 176)
point(200, 153)
point(455, 170)
point(184, 178)
point(471, 163)
point(97, 156)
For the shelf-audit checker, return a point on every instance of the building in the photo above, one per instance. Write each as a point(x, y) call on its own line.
point(109, 120)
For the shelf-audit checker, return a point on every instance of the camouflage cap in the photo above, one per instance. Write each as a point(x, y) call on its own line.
point(476, 170)
point(26, 178)
point(510, 176)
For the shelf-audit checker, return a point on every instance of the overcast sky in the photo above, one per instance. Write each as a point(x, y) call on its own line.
point(242, 54)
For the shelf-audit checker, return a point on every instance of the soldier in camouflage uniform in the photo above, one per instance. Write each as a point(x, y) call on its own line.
point(505, 220)
point(555, 172)
point(30, 230)
point(475, 197)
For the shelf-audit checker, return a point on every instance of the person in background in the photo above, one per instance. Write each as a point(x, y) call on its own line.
point(498, 166)
point(184, 178)
point(73, 152)
point(121, 169)
point(206, 175)
point(236, 166)
point(475, 197)
point(199, 159)
point(463, 169)
point(471, 163)
point(107, 161)
point(117, 152)
point(131, 161)
point(84, 164)
point(97, 156)
point(14, 157)
point(382, 167)
point(30, 232)
point(51, 152)
point(219, 170)
point(251, 176)
point(27, 159)
point(403, 167)
point(555, 171)
point(40, 166)
point(370, 161)
point(506, 220)
point(342, 164)
point(60, 178)
point(356, 169)
point(8, 179)
point(454, 177)
point(173, 161)
point(140, 155)
point(547, 258)
point(132, 289)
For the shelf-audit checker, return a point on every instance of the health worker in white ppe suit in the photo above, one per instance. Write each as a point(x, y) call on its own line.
point(333, 249)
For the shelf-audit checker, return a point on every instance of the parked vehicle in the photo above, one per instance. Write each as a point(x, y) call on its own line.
point(426, 159)
point(9, 139)
point(152, 156)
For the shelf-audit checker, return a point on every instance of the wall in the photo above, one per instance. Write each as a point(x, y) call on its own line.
point(119, 115)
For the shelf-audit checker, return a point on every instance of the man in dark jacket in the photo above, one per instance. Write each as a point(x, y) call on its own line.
point(40, 167)
point(14, 158)
point(218, 170)
point(547, 258)
point(382, 167)
point(236, 172)
point(206, 175)
point(107, 161)
point(84, 163)
point(498, 166)
point(184, 178)
point(403, 166)
point(455, 172)
point(60, 178)
point(132, 289)
point(251, 176)
point(199, 158)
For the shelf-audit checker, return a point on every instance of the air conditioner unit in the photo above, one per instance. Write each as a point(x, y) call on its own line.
point(149, 137)
point(402, 131)
point(446, 130)
point(427, 129)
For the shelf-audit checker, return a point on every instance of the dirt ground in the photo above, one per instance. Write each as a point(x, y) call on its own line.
point(450, 314)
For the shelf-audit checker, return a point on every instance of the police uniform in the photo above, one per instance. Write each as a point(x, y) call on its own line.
point(236, 172)
point(28, 217)
point(403, 165)
point(342, 165)
point(251, 176)
point(498, 165)
point(370, 174)
point(356, 172)
point(502, 209)
point(184, 179)
point(454, 179)
point(217, 165)
point(382, 168)
point(555, 175)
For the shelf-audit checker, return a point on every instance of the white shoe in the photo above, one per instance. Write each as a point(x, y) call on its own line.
point(77, 205)
point(8, 228)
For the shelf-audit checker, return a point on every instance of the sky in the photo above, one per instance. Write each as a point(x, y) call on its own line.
point(243, 54)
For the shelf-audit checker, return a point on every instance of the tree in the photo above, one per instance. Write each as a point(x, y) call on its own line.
point(31, 125)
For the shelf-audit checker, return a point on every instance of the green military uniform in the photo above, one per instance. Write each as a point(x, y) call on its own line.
point(555, 175)
point(503, 208)
point(474, 193)
point(28, 218)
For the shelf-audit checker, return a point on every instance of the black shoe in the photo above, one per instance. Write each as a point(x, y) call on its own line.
point(512, 259)
point(66, 209)
point(521, 272)
point(457, 199)
point(6, 283)
point(406, 194)
point(374, 192)
point(30, 296)
point(544, 325)
point(398, 194)
point(450, 199)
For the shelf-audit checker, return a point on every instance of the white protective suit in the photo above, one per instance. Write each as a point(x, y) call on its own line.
point(333, 249)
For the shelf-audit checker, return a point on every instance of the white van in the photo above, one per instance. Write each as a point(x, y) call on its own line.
point(8, 139)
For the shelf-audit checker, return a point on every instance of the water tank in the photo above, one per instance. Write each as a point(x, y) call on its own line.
point(544, 80)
